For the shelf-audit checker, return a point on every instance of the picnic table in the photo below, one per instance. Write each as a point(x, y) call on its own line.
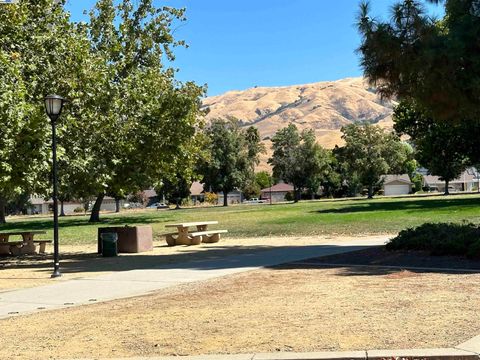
point(184, 237)
point(26, 246)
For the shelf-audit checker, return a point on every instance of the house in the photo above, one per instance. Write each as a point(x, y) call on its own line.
point(42, 206)
point(276, 192)
point(397, 185)
point(39, 206)
point(233, 197)
point(467, 181)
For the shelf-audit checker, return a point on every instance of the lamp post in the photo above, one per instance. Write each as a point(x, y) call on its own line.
point(53, 107)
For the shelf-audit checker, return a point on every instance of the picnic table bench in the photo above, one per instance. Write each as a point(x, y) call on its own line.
point(26, 246)
point(184, 237)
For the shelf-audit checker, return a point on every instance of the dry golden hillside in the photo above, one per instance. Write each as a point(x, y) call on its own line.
point(324, 107)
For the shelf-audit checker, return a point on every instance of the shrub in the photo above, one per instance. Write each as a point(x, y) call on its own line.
point(289, 196)
point(78, 209)
point(211, 198)
point(440, 239)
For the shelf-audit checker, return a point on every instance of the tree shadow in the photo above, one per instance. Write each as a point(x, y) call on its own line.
point(47, 223)
point(406, 205)
point(201, 257)
point(379, 261)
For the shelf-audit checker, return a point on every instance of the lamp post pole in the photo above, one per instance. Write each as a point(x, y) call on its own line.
point(56, 256)
point(53, 107)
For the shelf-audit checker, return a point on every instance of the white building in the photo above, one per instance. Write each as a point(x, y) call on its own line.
point(397, 185)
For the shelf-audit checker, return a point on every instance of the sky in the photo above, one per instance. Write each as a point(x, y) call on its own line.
point(238, 44)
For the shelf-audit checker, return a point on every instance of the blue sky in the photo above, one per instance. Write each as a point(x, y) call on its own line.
point(237, 44)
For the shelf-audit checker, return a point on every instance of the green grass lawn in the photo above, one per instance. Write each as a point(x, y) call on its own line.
point(328, 217)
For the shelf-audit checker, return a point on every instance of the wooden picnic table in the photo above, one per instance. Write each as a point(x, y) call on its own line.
point(26, 246)
point(183, 235)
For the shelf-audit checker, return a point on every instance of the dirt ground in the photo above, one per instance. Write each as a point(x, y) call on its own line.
point(267, 310)
point(83, 261)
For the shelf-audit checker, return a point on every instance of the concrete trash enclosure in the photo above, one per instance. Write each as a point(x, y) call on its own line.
point(131, 239)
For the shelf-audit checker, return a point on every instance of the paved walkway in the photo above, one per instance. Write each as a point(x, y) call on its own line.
point(125, 284)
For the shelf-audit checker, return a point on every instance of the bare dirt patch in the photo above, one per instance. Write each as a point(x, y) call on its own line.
point(294, 309)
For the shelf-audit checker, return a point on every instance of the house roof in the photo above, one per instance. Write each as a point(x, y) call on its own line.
point(37, 200)
point(196, 189)
point(281, 187)
point(465, 177)
point(150, 193)
point(391, 178)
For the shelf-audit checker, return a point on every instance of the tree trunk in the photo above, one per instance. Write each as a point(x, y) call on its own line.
point(295, 195)
point(62, 210)
point(95, 215)
point(225, 198)
point(370, 191)
point(3, 204)
point(446, 188)
point(117, 205)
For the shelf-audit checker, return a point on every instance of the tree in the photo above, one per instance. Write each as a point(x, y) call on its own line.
point(297, 159)
point(175, 190)
point(136, 123)
point(263, 179)
point(233, 154)
point(406, 56)
point(39, 48)
point(439, 146)
point(331, 181)
point(369, 153)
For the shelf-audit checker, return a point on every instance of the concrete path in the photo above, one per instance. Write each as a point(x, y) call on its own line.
point(123, 284)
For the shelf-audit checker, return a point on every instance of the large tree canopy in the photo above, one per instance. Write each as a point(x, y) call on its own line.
point(41, 52)
point(232, 155)
point(434, 62)
point(439, 146)
point(141, 121)
point(298, 159)
point(369, 153)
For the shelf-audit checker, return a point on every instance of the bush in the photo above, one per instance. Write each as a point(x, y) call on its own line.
point(440, 239)
point(211, 198)
point(78, 209)
point(289, 196)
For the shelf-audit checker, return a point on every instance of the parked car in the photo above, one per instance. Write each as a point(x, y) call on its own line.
point(254, 201)
point(158, 206)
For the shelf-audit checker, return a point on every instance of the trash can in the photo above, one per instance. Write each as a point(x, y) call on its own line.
point(109, 244)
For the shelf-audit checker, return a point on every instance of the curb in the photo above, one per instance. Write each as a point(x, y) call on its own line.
point(410, 354)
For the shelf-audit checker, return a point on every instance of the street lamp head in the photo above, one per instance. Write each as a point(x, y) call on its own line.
point(53, 106)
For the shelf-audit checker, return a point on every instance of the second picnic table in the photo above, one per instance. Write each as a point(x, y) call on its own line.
point(23, 247)
point(184, 237)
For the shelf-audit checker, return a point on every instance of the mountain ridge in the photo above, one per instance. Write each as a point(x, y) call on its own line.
point(322, 106)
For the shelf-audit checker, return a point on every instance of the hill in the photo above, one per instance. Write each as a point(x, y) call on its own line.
point(324, 107)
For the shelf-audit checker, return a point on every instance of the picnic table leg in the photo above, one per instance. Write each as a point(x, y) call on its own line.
point(29, 247)
point(203, 228)
point(183, 238)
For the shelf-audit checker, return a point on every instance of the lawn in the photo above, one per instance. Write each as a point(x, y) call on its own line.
point(327, 217)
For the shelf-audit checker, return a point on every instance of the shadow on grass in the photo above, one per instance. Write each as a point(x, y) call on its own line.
point(113, 220)
point(406, 205)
